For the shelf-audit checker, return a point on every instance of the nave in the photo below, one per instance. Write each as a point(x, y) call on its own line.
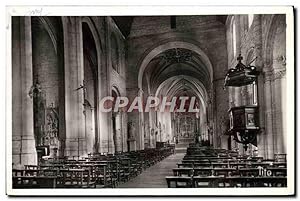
point(154, 177)
point(81, 87)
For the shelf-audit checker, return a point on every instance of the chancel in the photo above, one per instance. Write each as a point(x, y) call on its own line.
point(149, 101)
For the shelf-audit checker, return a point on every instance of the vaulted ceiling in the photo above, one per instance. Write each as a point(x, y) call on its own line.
point(174, 62)
point(124, 22)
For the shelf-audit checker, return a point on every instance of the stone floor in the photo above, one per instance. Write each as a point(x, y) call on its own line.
point(154, 177)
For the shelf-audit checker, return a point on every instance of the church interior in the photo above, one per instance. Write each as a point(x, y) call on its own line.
point(234, 65)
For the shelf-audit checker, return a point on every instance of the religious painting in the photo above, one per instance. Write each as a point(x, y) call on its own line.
point(250, 119)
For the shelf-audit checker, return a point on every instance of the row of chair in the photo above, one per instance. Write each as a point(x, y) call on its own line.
point(225, 171)
point(219, 181)
point(94, 171)
point(209, 167)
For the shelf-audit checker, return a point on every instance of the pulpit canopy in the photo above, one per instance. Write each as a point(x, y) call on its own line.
point(241, 74)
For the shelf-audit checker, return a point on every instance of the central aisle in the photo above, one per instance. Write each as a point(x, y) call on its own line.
point(154, 177)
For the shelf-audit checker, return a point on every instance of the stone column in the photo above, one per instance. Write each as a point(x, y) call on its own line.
point(124, 131)
point(133, 122)
point(269, 141)
point(147, 130)
point(106, 136)
point(106, 144)
point(90, 129)
point(261, 86)
point(23, 142)
point(107, 140)
point(168, 128)
point(284, 112)
point(260, 101)
point(202, 124)
point(75, 141)
point(173, 125)
point(141, 125)
point(118, 131)
point(210, 117)
point(220, 112)
point(94, 133)
point(278, 110)
point(152, 127)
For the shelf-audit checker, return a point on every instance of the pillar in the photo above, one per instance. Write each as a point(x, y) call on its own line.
point(220, 110)
point(152, 128)
point(259, 91)
point(23, 142)
point(284, 112)
point(140, 136)
point(118, 119)
point(133, 122)
point(124, 131)
point(269, 141)
point(279, 111)
point(90, 129)
point(75, 141)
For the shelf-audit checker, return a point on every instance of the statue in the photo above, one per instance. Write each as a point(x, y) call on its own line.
point(131, 130)
point(52, 126)
point(152, 131)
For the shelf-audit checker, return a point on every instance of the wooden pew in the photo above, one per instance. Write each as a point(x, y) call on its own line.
point(263, 181)
point(76, 178)
point(250, 172)
point(100, 177)
point(101, 170)
point(222, 168)
point(206, 181)
point(277, 171)
point(202, 172)
point(125, 166)
point(182, 165)
point(34, 181)
point(224, 171)
point(183, 172)
point(179, 182)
